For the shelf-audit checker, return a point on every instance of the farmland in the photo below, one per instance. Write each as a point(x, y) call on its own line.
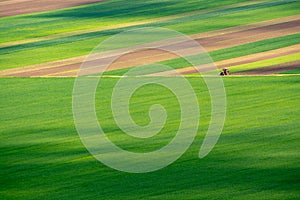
point(257, 154)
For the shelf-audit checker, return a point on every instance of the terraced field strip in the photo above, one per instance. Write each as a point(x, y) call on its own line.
point(271, 69)
point(267, 62)
point(210, 44)
point(42, 66)
point(225, 39)
point(245, 27)
point(18, 7)
point(79, 45)
point(124, 25)
point(251, 35)
point(237, 61)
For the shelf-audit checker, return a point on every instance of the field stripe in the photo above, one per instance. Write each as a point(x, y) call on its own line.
point(124, 25)
point(19, 7)
point(214, 33)
point(245, 27)
point(253, 35)
point(267, 62)
point(238, 61)
point(259, 56)
point(271, 69)
point(210, 43)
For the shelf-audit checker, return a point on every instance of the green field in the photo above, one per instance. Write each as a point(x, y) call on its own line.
point(256, 157)
point(42, 156)
point(81, 44)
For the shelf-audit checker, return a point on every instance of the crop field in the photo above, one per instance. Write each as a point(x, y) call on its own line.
point(43, 45)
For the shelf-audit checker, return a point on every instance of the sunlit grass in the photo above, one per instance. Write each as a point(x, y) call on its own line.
point(256, 157)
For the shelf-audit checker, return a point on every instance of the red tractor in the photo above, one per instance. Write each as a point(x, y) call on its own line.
point(224, 72)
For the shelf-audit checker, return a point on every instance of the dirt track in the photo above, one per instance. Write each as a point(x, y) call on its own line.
point(18, 7)
point(219, 41)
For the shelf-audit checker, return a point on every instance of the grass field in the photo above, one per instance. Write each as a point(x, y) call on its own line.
point(256, 157)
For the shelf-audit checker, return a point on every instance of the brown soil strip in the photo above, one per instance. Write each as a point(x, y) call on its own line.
point(134, 23)
point(124, 61)
point(210, 44)
point(43, 66)
point(271, 69)
point(245, 27)
point(18, 7)
point(252, 35)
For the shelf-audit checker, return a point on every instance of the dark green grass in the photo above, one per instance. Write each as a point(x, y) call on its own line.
point(256, 157)
point(294, 71)
point(66, 47)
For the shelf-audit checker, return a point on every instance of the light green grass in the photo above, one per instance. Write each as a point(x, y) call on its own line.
point(266, 63)
point(56, 49)
point(256, 157)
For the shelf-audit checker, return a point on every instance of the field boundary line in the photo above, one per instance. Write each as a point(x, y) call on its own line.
point(170, 76)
